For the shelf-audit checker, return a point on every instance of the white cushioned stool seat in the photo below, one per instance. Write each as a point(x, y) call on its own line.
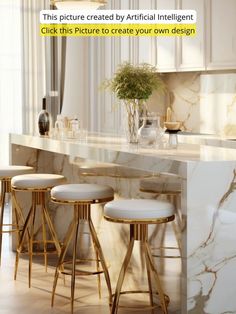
point(37, 181)
point(79, 192)
point(161, 184)
point(138, 209)
point(11, 171)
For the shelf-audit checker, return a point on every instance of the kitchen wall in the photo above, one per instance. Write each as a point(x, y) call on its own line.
point(205, 103)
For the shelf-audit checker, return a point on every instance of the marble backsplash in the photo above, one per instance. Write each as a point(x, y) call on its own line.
point(204, 103)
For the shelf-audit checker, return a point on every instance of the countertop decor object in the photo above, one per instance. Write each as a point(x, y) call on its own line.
point(134, 85)
point(150, 133)
point(43, 120)
point(172, 128)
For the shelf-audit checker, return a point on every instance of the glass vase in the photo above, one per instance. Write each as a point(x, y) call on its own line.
point(132, 120)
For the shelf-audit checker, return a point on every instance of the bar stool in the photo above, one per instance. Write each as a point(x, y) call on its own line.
point(6, 173)
point(138, 213)
point(170, 186)
point(81, 196)
point(38, 185)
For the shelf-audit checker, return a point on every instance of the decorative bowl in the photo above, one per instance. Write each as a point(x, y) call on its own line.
point(172, 125)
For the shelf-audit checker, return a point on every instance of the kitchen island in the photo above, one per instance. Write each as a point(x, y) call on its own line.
point(208, 204)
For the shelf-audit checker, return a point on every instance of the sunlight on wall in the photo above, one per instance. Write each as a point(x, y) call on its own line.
point(10, 74)
point(218, 104)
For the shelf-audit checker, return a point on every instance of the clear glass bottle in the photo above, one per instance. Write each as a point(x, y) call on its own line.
point(43, 119)
point(150, 133)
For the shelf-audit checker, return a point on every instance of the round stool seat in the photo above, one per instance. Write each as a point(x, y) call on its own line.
point(11, 171)
point(36, 181)
point(138, 209)
point(81, 192)
point(162, 185)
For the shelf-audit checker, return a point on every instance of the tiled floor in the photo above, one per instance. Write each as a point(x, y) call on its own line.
point(17, 298)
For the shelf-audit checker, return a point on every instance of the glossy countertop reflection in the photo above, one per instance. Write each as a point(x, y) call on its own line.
point(103, 143)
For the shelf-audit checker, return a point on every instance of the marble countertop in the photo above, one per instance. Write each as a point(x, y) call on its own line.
point(110, 149)
point(207, 139)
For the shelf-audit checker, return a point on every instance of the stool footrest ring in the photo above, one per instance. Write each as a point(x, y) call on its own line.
point(80, 272)
point(141, 308)
point(164, 255)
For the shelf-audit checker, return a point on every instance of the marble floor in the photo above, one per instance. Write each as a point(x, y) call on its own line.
point(16, 297)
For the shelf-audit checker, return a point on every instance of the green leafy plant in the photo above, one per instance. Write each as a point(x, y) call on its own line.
point(135, 82)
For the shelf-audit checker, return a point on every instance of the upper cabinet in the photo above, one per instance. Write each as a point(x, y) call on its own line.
point(221, 32)
point(166, 47)
point(213, 47)
point(191, 50)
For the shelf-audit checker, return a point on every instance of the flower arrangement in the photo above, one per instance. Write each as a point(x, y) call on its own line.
point(134, 85)
point(135, 82)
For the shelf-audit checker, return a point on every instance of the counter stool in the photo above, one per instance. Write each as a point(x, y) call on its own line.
point(81, 196)
point(38, 185)
point(6, 173)
point(138, 213)
point(170, 186)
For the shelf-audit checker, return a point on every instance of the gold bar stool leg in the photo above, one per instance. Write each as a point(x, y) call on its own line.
point(6, 175)
point(82, 196)
point(139, 213)
point(74, 266)
point(122, 276)
point(3, 194)
point(44, 239)
point(31, 236)
point(22, 238)
point(101, 256)
point(62, 256)
point(158, 283)
point(148, 276)
point(38, 185)
point(99, 275)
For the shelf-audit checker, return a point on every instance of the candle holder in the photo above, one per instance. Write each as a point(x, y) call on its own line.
point(172, 128)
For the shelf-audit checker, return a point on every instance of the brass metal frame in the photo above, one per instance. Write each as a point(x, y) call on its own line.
point(139, 232)
point(19, 218)
point(172, 196)
point(140, 221)
point(38, 199)
point(82, 211)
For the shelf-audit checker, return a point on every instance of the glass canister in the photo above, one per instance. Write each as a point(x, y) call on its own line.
point(150, 133)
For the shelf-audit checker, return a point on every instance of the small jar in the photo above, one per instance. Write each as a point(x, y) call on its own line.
point(150, 133)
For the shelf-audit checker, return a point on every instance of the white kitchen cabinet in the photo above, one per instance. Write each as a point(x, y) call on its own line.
point(146, 45)
point(191, 50)
point(221, 34)
point(166, 47)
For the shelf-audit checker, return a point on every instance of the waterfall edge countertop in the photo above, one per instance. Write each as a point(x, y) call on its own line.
point(208, 205)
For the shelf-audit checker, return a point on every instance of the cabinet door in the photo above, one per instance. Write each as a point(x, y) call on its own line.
point(146, 45)
point(221, 24)
point(166, 46)
point(191, 50)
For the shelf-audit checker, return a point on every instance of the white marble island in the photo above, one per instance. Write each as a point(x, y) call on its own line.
point(208, 204)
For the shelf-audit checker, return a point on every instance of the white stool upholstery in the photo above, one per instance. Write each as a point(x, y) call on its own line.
point(82, 196)
point(161, 185)
point(136, 209)
point(37, 181)
point(38, 185)
point(138, 213)
point(6, 173)
point(79, 192)
point(11, 171)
